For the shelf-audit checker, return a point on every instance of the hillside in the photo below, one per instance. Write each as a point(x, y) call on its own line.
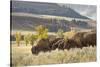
point(27, 15)
point(44, 9)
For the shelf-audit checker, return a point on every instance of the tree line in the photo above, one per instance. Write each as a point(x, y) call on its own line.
point(41, 32)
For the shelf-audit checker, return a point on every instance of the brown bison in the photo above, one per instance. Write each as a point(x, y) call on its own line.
point(78, 37)
point(57, 42)
point(79, 40)
point(89, 39)
point(70, 43)
point(61, 43)
point(85, 38)
point(42, 45)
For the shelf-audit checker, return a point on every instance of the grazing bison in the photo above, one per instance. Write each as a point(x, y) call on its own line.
point(61, 43)
point(70, 43)
point(79, 40)
point(85, 38)
point(42, 45)
point(56, 43)
point(89, 39)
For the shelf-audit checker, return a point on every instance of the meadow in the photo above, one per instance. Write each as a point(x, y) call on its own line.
point(22, 56)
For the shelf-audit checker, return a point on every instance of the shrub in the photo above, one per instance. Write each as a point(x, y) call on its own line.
point(42, 32)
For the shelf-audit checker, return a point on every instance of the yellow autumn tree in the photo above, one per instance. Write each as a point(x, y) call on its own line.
point(32, 38)
point(18, 37)
point(42, 31)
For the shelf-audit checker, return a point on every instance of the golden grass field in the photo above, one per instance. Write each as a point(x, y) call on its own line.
point(22, 56)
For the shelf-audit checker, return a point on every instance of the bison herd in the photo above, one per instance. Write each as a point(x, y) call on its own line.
point(79, 40)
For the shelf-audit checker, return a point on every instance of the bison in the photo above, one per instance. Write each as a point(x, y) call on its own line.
point(89, 39)
point(42, 45)
point(85, 38)
point(56, 43)
point(79, 40)
point(70, 43)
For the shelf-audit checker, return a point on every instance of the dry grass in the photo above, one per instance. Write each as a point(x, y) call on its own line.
point(22, 56)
